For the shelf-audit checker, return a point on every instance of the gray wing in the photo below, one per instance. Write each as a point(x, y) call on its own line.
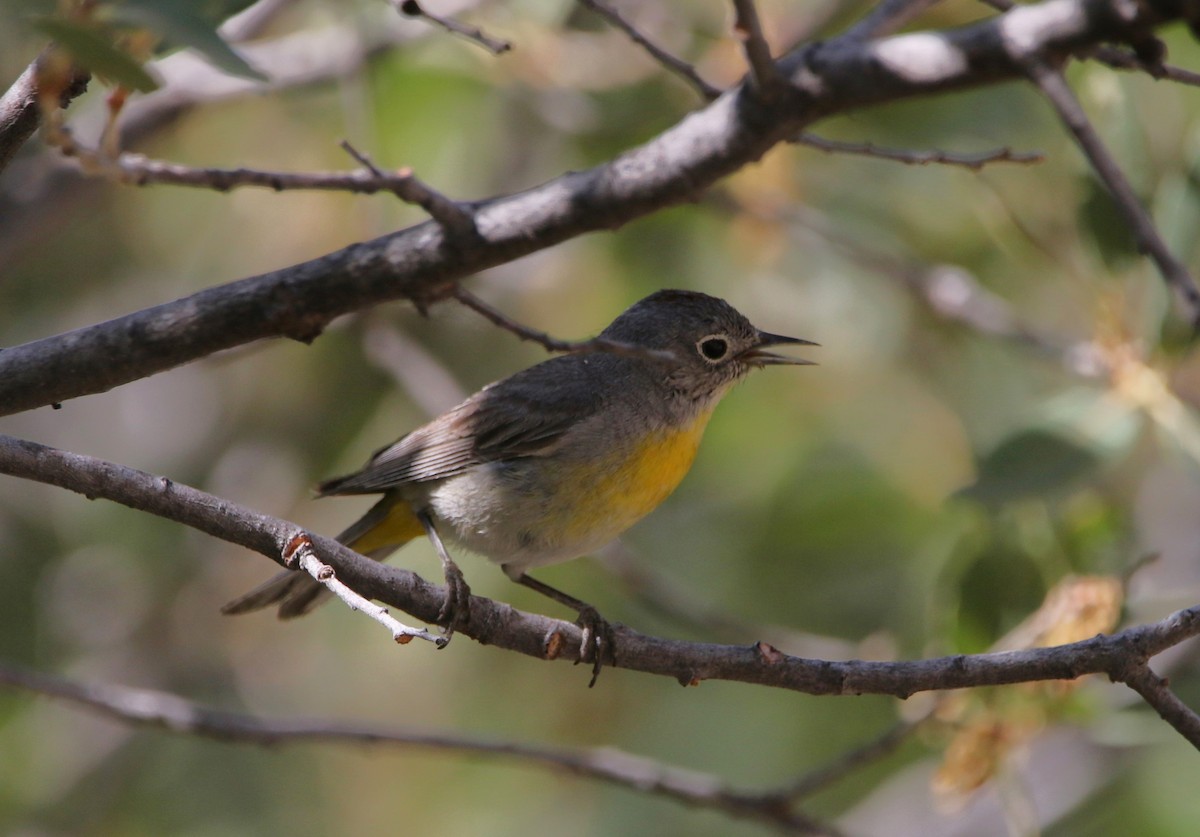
point(523, 415)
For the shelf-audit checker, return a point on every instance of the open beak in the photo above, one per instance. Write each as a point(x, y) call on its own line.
point(757, 356)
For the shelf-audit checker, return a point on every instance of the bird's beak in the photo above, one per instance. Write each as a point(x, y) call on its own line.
point(756, 356)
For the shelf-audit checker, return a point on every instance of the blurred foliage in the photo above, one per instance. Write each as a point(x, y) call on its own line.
point(114, 39)
point(919, 492)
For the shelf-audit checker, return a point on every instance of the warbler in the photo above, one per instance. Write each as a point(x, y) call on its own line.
point(554, 461)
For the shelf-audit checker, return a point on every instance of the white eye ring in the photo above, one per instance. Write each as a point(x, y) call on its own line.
point(714, 348)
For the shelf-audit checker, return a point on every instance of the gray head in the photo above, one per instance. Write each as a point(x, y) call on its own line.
point(713, 344)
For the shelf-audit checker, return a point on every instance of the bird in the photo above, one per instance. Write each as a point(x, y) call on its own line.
point(554, 461)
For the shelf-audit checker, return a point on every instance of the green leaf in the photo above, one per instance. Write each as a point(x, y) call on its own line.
point(1031, 463)
point(180, 25)
point(92, 50)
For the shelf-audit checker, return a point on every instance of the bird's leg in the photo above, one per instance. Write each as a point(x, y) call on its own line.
point(456, 610)
point(599, 642)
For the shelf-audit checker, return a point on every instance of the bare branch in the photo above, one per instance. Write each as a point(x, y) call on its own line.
point(873, 750)
point(1056, 90)
point(496, 46)
point(175, 714)
point(975, 161)
point(1169, 707)
point(764, 75)
point(553, 344)
point(299, 552)
point(887, 17)
point(500, 625)
point(678, 66)
point(139, 170)
point(21, 105)
point(1121, 60)
point(832, 77)
point(454, 219)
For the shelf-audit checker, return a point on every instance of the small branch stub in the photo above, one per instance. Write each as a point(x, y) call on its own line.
point(299, 553)
point(764, 75)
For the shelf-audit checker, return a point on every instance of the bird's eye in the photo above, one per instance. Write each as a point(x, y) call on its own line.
point(713, 347)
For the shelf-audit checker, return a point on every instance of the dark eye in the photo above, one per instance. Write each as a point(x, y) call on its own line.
point(713, 348)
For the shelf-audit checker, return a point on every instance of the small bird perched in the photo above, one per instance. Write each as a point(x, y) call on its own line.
point(553, 462)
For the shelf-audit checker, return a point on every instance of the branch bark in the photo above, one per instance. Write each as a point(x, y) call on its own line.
point(495, 623)
point(20, 110)
point(418, 263)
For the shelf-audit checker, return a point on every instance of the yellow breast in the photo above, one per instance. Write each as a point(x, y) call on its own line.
point(624, 489)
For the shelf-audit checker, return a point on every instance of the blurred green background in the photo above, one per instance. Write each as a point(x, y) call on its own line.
point(917, 493)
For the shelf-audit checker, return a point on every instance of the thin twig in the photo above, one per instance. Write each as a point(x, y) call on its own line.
point(300, 553)
point(496, 46)
point(141, 171)
point(887, 17)
point(450, 214)
point(175, 714)
point(1121, 60)
point(1154, 690)
point(1056, 90)
point(676, 65)
point(764, 75)
point(845, 764)
point(975, 161)
point(553, 344)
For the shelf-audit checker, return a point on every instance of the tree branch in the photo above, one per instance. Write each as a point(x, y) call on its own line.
point(21, 105)
point(174, 714)
point(764, 75)
point(496, 46)
point(553, 344)
point(1056, 90)
point(1170, 708)
point(454, 219)
point(974, 162)
point(887, 17)
point(679, 67)
point(832, 77)
point(498, 624)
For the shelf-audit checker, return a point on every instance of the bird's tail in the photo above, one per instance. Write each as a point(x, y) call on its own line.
point(386, 527)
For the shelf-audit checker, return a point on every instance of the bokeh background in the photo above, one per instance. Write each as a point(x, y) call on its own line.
point(1005, 398)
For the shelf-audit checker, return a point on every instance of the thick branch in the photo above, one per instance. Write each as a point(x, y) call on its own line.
point(498, 624)
point(417, 263)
